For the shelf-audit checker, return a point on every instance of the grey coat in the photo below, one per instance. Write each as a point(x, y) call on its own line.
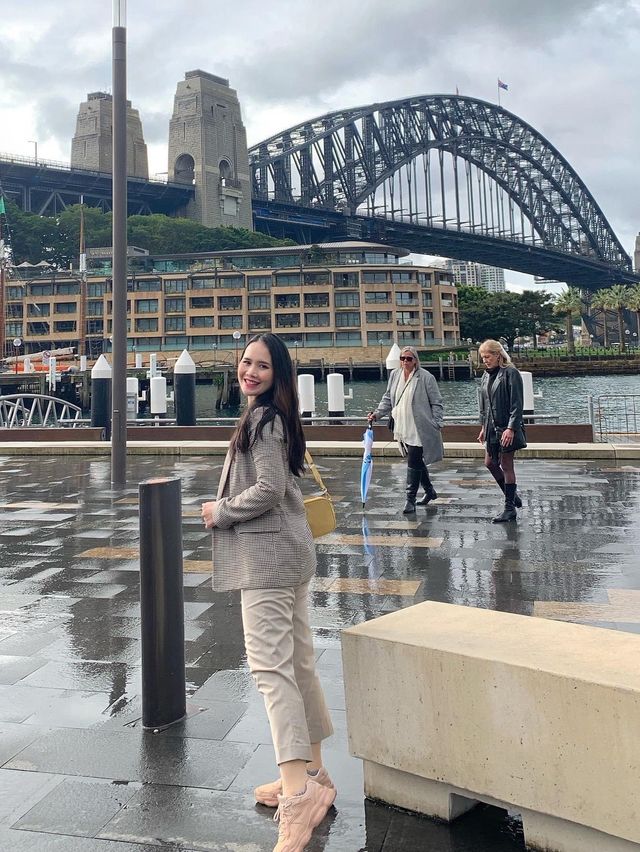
point(426, 407)
point(261, 539)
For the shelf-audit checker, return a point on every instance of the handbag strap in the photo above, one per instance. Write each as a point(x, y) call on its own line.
point(315, 472)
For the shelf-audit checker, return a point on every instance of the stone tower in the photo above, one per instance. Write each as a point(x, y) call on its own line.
point(91, 147)
point(208, 147)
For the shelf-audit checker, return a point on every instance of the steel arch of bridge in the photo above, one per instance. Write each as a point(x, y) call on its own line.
point(483, 172)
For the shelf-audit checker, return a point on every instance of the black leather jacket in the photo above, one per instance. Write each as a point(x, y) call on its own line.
point(506, 399)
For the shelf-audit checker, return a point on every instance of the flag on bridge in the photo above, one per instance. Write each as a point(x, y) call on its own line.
point(502, 85)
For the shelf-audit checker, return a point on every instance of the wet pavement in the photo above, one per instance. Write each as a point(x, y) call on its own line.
point(76, 771)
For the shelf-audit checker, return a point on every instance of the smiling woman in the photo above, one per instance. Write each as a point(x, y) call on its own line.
point(263, 546)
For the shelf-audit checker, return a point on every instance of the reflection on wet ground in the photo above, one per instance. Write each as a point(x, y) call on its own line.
point(77, 773)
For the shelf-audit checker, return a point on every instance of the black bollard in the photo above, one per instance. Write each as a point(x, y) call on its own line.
point(161, 604)
point(184, 389)
point(101, 395)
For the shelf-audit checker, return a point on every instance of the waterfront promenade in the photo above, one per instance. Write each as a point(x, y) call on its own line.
point(76, 772)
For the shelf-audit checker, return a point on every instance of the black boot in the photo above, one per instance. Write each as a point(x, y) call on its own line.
point(430, 492)
point(517, 502)
point(509, 512)
point(413, 481)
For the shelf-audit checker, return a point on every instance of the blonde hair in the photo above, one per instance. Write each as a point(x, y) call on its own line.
point(497, 348)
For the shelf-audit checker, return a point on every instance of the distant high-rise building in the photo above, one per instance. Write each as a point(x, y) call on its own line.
point(472, 274)
point(92, 146)
point(636, 255)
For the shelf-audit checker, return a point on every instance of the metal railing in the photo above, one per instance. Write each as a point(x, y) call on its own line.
point(28, 409)
point(615, 417)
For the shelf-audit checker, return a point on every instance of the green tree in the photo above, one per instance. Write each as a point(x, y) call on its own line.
point(619, 300)
point(633, 302)
point(569, 305)
point(600, 301)
point(536, 313)
point(484, 314)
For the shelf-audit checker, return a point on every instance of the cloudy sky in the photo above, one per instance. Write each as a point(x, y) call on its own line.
point(572, 69)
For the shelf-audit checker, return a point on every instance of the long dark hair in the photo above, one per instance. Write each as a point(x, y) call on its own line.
point(282, 399)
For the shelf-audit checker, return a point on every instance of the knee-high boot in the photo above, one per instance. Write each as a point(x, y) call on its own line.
point(413, 482)
point(509, 512)
point(430, 492)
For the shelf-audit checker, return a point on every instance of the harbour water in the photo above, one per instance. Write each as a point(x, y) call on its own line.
point(563, 396)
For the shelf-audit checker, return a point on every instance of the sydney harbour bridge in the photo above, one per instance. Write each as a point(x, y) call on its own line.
point(438, 174)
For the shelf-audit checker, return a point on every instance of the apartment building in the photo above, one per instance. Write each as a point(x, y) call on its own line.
point(472, 274)
point(352, 296)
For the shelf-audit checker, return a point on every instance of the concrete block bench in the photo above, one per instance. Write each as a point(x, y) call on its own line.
point(449, 706)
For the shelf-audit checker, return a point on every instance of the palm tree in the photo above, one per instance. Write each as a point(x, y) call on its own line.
point(633, 303)
point(569, 305)
point(618, 301)
point(600, 301)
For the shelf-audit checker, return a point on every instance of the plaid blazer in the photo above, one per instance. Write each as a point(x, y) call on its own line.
point(261, 538)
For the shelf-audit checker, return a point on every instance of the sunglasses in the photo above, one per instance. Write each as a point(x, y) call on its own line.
point(406, 357)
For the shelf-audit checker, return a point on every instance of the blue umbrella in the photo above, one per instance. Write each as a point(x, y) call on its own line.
point(367, 464)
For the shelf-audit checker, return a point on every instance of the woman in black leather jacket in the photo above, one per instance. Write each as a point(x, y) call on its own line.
point(502, 432)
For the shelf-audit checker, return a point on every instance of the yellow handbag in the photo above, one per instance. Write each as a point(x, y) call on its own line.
point(321, 515)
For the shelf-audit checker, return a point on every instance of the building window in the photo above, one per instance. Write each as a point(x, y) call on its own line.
point(95, 326)
point(374, 337)
point(314, 278)
point(95, 289)
point(261, 303)
point(177, 342)
point(230, 322)
point(259, 282)
point(175, 285)
point(14, 311)
point(64, 308)
point(348, 338)
point(348, 319)
point(448, 318)
point(41, 289)
point(287, 320)
point(201, 302)
point(378, 316)
point(288, 280)
point(64, 327)
point(374, 277)
point(409, 337)
point(149, 344)
point(174, 324)
point(229, 303)
point(408, 318)
point(14, 329)
point(201, 322)
point(42, 309)
point(427, 300)
point(232, 282)
point(145, 285)
point(147, 324)
point(68, 288)
point(146, 306)
point(402, 277)
point(373, 297)
point(317, 300)
point(290, 301)
point(346, 279)
point(347, 300)
point(15, 293)
point(36, 329)
point(204, 341)
point(174, 305)
point(427, 317)
point(424, 279)
point(429, 335)
point(202, 283)
point(319, 338)
point(95, 309)
point(259, 321)
point(406, 298)
point(319, 319)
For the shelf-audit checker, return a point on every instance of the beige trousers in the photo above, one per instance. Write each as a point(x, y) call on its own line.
point(281, 659)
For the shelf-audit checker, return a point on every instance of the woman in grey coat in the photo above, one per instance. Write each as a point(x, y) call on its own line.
point(263, 546)
point(417, 414)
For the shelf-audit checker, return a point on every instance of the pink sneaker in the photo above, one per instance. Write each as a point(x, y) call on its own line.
point(268, 794)
point(299, 815)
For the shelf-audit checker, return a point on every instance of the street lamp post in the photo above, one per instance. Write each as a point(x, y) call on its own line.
point(35, 150)
point(214, 346)
point(236, 337)
point(17, 343)
point(516, 341)
point(296, 343)
point(119, 210)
